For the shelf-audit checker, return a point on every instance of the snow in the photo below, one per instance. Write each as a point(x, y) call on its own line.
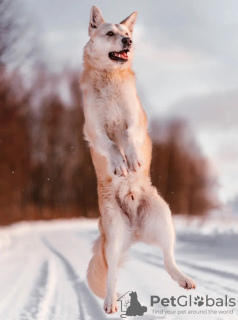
point(43, 267)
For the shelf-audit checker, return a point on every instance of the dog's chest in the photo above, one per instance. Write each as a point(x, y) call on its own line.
point(115, 122)
point(113, 113)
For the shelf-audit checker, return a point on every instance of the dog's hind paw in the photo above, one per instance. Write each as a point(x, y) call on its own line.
point(110, 305)
point(182, 279)
point(186, 282)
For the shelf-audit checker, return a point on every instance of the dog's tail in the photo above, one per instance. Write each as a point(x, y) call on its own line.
point(97, 270)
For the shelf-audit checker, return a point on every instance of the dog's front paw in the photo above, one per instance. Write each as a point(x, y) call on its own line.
point(133, 160)
point(118, 162)
point(110, 305)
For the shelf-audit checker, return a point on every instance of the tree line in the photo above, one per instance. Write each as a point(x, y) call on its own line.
point(45, 164)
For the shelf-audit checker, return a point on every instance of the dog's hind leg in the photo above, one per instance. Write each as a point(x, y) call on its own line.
point(115, 246)
point(158, 229)
point(166, 242)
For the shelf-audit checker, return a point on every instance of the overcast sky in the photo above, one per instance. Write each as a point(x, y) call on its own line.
point(186, 63)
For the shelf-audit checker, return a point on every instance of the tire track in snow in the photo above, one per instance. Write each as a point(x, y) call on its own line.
point(82, 292)
point(20, 292)
point(31, 310)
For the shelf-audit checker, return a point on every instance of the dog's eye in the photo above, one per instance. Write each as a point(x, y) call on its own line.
point(110, 34)
point(127, 34)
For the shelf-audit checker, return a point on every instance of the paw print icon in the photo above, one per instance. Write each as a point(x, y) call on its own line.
point(199, 301)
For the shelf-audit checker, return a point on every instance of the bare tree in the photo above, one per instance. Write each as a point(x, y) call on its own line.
point(17, 43)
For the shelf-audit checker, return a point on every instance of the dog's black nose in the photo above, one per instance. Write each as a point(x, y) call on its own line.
point(126, 40)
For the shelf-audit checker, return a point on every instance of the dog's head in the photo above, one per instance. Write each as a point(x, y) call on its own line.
point(110, 45)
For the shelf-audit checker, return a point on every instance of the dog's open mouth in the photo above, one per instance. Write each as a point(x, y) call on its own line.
point(119, 56)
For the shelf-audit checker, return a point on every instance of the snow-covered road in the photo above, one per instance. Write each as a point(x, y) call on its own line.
point(43, 267)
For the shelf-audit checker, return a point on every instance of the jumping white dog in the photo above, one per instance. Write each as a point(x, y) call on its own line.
point(116, 129)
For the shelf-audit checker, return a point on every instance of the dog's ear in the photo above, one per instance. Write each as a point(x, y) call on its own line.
point(130, 21)
point(96, 19)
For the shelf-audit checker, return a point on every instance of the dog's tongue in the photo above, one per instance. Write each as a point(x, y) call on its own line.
point(121, 54)
point(124, 54)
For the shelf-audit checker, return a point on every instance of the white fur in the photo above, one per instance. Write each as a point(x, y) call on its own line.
point(116, 129)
